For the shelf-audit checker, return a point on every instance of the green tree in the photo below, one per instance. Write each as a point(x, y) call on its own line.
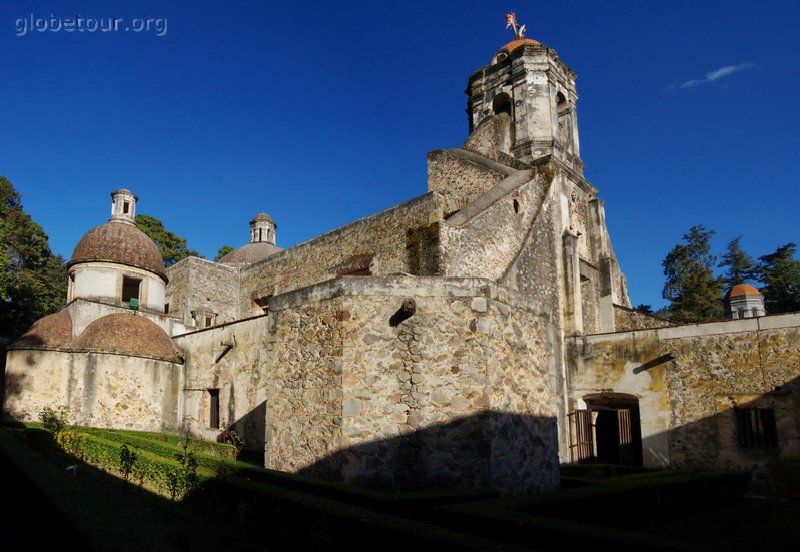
point(645, 309)
point(695, 294)
point(779, 272)
point(33, 281)
point(224, 250)
point(740, 267)
point(173, 247)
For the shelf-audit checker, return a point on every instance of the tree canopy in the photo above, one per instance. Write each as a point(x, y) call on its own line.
point(779, 272)
point(33, 281)
point(695, 294)
point(739, 266)
point(224, 250)
point(173, 248)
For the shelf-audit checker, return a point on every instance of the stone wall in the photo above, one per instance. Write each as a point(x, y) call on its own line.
point(688, 380)
point(506, 237)
point(233, 359)
point(196, 283)
point(460, 393)
point(461, 176)
point(379, 244)
point(100, 389)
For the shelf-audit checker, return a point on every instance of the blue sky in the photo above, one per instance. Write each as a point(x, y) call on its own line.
point(323, 113)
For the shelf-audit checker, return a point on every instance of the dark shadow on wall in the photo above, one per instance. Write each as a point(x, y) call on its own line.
point(251, 427)
point(760, 435)
point(510, 453)
point(8, 383)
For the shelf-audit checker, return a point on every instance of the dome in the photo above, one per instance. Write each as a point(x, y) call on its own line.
point(743, 289)
point(54, 331)
point(263, 217)
point(514, 44)
point(128, 334)
point(122, 243)
point(250, 253)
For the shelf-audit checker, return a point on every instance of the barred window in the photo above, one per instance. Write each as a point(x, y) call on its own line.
point(755, 428)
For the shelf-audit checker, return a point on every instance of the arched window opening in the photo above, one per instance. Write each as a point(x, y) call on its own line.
point(502, 104)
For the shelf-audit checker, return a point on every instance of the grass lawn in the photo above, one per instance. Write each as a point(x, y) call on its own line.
point(249, 508)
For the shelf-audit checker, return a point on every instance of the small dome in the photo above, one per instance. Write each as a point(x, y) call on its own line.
point(514, 44)
point(250, 253)
point(52, 331)
point(122, 243)
point(743, 289)
point(262, 217)
point(128, 334)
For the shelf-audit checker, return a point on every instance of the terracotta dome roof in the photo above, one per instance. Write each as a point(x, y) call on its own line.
point(743, 289)
point(250, 253)
point(119, 242)
point(262, 216)
point(52, 331)
point(514, 44)
point(128, 334)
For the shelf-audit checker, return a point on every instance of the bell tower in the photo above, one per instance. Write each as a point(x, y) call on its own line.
point(526, 81)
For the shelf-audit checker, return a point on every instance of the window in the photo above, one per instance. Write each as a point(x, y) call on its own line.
point(126, 207)
point(130, 288)
point(208, 322)
point(755, 428)
point(213, 412)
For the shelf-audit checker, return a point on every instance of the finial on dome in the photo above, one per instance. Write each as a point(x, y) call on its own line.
point(513, 24)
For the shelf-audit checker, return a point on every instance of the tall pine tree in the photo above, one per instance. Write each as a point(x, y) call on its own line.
point(739, 266)
point(695, 294)
point(779, 272)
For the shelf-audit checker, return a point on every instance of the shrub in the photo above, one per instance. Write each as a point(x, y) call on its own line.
point(54, 421)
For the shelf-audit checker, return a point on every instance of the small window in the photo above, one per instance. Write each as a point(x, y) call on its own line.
point(130, 289)
point(755, 313)
point(742, 313)
point(213, 412)
point(126, 207)
point(208, 322)
point(166, 308)
point(755, 428)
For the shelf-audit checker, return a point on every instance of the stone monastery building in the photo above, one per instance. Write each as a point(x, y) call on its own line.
point(477, 335)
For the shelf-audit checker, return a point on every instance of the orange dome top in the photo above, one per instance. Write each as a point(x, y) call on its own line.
point(743, 289)
point(514, 44)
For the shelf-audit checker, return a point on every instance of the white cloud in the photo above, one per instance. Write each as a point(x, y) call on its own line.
point(717, 74)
